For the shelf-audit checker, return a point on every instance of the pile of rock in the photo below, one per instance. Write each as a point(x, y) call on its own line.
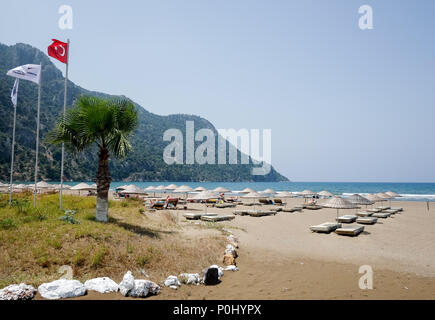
point(20, 291)
point(64, 288)
point(137, 288)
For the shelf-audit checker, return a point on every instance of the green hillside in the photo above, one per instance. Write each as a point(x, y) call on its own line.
point(144, 163)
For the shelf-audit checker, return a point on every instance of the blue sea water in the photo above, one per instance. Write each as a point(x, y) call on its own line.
point(409, 191)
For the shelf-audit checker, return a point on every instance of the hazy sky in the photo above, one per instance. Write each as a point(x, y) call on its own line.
point(343, 104)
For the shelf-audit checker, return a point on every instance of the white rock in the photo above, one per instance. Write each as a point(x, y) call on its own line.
point(62, 288)
point(140, 289)
point(172, 281)
point(126, 284)
point(102, 285)
point(231, 268)
point(173, 287)
point(17, 292)
point(190, 278)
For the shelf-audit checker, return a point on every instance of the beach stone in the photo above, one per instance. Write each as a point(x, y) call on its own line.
point(172, 281)
point(62, 288)
point(230, 249)
point(102, 285)
point(173, 287)
point(140, 289)
point(231, 268)
point(228, 259)
point(190, 278)
point(17, 292)
point(126, 284)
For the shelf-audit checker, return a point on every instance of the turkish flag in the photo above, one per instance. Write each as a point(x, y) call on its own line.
point(58, 50)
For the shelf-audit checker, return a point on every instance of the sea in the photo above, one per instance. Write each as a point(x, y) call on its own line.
point(408, 191)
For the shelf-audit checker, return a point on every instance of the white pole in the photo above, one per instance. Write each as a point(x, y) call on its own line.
point(64, 110)
point(13, 149)
point(37, 138)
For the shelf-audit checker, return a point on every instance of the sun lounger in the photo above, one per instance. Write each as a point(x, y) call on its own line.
point(313, 207)
point(294, 209)
point(326, 227)
point(225, 205)
point(347, 219)
point(196, 216)
point(374, 210)
point(217, 218)
point(260, 213)
point(278, 202)
point(390, 211)
point(396, 208)
point(382, 215)
point(350, 231)
point(364, 214)
point(366, 220)
point(383, 208)
point(250, 204)
point(240, 212)
point(265, 201)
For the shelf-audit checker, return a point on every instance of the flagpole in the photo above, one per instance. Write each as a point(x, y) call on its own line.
point(37, 138)
point(13, 148)
point(64, 110)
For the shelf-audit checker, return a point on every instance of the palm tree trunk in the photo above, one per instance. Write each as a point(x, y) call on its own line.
point(103, 185)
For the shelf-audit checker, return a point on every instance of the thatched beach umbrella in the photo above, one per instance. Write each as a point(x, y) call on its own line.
point(393, 194)
point(269, 191)
point(171, 187)
point(374, 198)
point(359, 200)
point(200, 189)
point(247, 190)
point(205, 195)
point(385, 196)
point(132, 189)
point(325, 194)
point(339, 203)
point(82, 187)
point(183, 189)
point(221, 190)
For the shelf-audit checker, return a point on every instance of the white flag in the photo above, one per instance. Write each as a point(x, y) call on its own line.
point(29, 72)
point(14, 93)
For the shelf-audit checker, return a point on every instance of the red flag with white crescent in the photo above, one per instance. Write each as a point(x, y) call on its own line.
point(58, 50)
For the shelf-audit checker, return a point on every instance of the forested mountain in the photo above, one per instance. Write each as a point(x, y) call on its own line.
point(144, 163)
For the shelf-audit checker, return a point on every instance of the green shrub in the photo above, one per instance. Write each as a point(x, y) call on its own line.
point(7, 224)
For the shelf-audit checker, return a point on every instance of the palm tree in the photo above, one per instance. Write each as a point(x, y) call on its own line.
point(107, 123)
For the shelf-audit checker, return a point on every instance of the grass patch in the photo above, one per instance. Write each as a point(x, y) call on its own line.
point(35, 243)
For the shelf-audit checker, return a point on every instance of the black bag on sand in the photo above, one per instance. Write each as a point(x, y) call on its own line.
point(211, 277)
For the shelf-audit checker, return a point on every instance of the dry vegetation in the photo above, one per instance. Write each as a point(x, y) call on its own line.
point(35, 243)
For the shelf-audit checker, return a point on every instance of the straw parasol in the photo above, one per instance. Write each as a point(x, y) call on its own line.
point(307, 193)
point(82, 186)
point(358, 199)
point(247, 190)
point(393, 194)
point(325, 194)
point(183, 189)
point(200, 189)
point(269, 191)
point(44, 185)
point(205, 195)
point(132, 189)
point(221, 190)
point(150, 188)
point(171, 187)
point(339, 203)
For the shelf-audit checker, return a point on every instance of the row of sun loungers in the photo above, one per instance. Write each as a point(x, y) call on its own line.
point(255, 213)
point(368, 217)
point(210, 217)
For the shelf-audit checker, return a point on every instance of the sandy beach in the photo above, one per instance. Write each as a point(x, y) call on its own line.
point(280, 258)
